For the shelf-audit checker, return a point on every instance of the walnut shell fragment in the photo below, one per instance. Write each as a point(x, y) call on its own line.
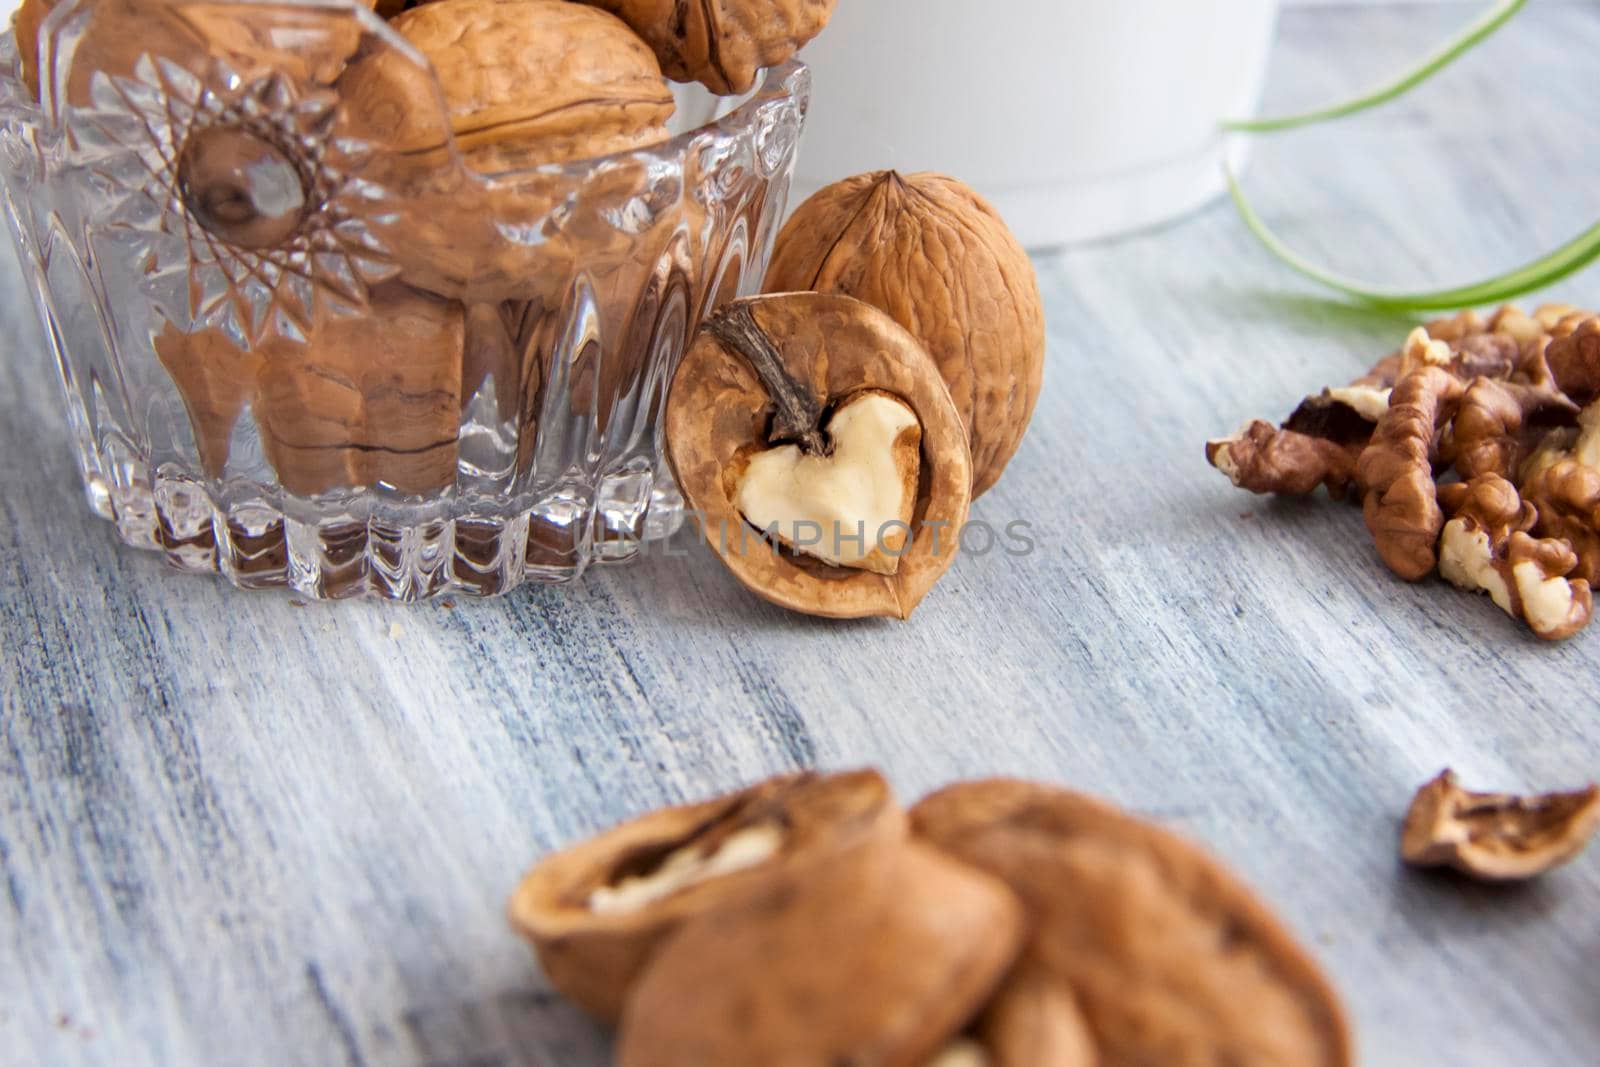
point(933, 254)
point(1169, 958)
point(596, 912)
point(877, 956)
point(722, 43)
point(772, 373)
point(1496, 837)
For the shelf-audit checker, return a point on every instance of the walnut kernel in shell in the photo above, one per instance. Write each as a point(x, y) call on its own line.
point(773, 372)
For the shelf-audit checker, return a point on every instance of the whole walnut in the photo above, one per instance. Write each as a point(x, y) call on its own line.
point(929, 251)
point(722, 43)
point(525, 82)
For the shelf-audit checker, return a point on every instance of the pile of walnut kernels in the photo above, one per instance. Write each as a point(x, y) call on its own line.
point(1474, 450)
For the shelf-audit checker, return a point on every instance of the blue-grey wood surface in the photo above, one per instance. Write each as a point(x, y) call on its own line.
point(234, 830)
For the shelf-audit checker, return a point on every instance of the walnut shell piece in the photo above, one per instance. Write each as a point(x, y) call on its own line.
point(1169, 958)
point(1496, 837)
point(767, 372)
point(596, 912)
point(525, 82)
point(722, 43)
point(877, 956)
point(933, 254)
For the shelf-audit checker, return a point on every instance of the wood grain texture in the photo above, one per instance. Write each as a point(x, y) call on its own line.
point(237, 831)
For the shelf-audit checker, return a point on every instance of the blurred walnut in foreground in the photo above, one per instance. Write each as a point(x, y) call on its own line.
point(806, 921)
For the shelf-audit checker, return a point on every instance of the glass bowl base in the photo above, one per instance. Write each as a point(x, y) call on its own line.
point(389, 552)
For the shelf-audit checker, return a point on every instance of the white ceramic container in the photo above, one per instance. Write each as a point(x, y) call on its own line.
point(1078, 118)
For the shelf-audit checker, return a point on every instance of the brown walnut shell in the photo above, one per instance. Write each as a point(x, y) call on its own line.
point(876, 957)
point(525, 82)
point(930, 252)
point(366, 399)
point(722, 43)
point(594, 958)
point(1496, 837)
point(1169, 957)
point(721, 409)
point(369, 398)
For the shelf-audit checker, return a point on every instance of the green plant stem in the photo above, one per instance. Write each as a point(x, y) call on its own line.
point(1546, 270)
point(1451, 51)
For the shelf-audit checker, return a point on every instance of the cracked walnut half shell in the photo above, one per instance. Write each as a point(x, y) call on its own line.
point(596, 912)
point(820, 450)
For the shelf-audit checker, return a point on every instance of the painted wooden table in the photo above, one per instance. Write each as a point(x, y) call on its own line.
point(234, 830)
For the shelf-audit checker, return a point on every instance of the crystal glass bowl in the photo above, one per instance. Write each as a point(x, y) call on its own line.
point(298, 354)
